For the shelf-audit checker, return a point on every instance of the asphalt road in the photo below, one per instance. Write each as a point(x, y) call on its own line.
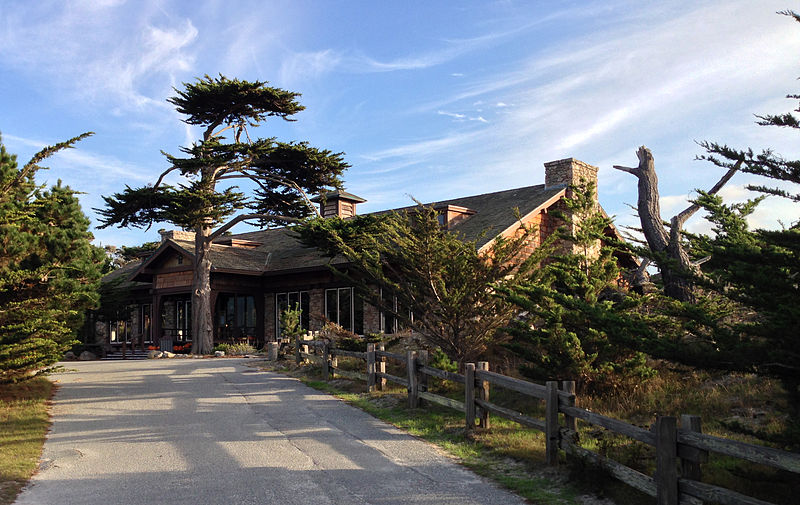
point(212, 431)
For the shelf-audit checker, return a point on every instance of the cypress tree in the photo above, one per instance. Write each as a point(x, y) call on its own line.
point(49, 270)
point(284, 173)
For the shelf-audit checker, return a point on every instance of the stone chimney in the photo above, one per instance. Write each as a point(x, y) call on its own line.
point(569, 171)
point(187, 236)
point(338, 203)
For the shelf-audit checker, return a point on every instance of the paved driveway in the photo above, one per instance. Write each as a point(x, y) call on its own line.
point(212, 431)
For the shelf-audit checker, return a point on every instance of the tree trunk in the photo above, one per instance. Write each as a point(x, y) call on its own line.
point(202, 311)
point(676, 268)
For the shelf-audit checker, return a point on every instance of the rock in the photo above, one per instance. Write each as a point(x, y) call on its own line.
point(219, 354)
point(69, 355)
point(167, 354)
point(154, 354)
point(87, 356)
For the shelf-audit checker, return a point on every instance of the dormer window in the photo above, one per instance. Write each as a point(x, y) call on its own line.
point(450, 215)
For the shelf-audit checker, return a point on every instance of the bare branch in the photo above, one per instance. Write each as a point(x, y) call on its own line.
point(164, 174)
point(626, 169)
point(244, 217)
point(681, 218)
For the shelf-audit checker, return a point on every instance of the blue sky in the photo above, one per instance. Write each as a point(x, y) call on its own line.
point(427, 99)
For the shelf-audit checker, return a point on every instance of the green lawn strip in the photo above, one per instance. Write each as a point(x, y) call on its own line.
point(24, 421)
point(493, 454)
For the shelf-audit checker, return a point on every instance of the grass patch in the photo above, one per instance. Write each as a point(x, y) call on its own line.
point(23, 425)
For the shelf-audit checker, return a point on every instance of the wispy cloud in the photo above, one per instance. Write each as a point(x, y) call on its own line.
point(71, 49)
point(300, 67)
point(84, 164)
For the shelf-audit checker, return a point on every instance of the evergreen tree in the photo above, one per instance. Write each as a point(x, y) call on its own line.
point(49, 270)
point(759, 270)
point(578, 323)
point(445, 288)
point(283, 172)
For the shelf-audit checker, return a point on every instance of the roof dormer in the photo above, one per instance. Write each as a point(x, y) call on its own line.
point(450, 215)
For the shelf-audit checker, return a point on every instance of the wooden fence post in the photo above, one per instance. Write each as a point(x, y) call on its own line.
point(413, 388)
point(370, 367)
point(297, 349)
point(326, 364)
point(272, 351)
point(422, 360)
point(469, 395)
point(666, 477)
point(483, 394)
point(382, 369)
point(551, 423)
point(570, 422)
point(691, 457)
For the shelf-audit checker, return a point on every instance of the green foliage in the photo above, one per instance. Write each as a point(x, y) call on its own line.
point(755, 270)
point(438, 359)
point(291, 322)
point(579, 324)
point(49, 270)
point(120, 256)
point(443, 280)
point(283, 173)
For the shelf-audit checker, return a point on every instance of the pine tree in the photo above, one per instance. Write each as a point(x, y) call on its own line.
point(578, 324)
point(445, 288)
point(49, 271)
point(759, 270)
point(283, 172)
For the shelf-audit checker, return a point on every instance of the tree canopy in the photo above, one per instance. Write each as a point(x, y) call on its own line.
point(433, 280)
point(284, 173)
point(49, 270)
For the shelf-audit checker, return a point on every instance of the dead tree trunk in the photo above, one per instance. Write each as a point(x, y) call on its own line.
point(664, 241)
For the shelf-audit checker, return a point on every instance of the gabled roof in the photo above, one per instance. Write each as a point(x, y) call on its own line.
point(280, 252)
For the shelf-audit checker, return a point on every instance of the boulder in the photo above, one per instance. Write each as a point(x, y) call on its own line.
point(87, 356)
point(219, 354)
point(70, 356)
point(167, 354)
point(154, 354)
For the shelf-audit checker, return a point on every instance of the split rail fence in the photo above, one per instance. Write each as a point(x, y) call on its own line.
point(679, 450)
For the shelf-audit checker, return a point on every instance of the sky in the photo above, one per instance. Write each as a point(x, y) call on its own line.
point(430, 100)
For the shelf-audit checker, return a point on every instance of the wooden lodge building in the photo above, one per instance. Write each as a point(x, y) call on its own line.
point(256, 275)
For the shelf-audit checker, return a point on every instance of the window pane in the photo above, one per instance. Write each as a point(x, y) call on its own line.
point(241, 309)
point(230, 311)
point(305, 306)
point(281, 302)
point(358, 314)
point(345, 308)
point(331, 306)
point(294, 300)
point(250, 319)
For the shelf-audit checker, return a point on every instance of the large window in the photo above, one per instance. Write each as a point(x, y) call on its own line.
point(390, 323)
point(236, 317)
point(294, 300)
point(183, 320)
point(345, 308)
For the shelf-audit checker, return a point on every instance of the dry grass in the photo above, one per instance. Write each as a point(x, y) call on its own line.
point(23, 425)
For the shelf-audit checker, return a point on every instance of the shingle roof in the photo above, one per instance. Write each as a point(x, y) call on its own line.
point(281, 252)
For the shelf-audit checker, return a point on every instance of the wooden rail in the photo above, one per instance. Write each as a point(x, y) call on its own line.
point(684, 447)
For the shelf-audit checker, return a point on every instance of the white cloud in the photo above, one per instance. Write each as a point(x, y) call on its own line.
point(451, 114)
point(297, 68)
point(96, 52)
